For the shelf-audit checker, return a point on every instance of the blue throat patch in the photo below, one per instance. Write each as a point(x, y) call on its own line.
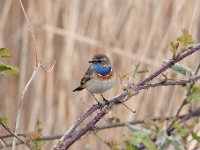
point(100, 69)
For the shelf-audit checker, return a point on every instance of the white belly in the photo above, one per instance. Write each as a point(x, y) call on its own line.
point(100, 86)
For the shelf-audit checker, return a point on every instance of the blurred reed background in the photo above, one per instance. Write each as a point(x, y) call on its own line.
point(71, 32)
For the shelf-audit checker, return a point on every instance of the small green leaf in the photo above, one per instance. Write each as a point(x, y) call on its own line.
point(177, 144)
point(134, 139)
point(195, 93)
point(4, 52)
point(181, 69)
point(181, 130)
point(12, 68)
point(32, 138)
point(174, 45)
point(162, 140)
point(37, 145)
point(121, 75)
point(3, 120)
point(142, 132)
point(138, 134)
point(181, 39)
point(130, 147)
point(186, 38)
point(150, 145)
point(157, 125)
point(195, 136)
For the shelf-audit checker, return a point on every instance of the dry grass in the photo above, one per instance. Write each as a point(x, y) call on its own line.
point(71, 32)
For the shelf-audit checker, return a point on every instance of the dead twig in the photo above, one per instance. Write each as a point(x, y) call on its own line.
point(35, 71)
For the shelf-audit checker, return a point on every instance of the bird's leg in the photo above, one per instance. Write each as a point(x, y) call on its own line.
point(100, 105)
point(105, 100)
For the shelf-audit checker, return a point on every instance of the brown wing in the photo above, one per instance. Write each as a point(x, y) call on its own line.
point(86, 78)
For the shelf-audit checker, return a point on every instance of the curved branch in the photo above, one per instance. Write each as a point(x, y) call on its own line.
point(133, 89)
point(14, 135)
point(182, 118)
point(35, 71)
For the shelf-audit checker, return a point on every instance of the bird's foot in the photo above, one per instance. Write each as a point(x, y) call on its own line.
point(105, 100)
point(118, 102)
point(100, 105)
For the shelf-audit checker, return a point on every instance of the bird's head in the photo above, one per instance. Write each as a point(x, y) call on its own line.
point(101, 64)
point(101, 59)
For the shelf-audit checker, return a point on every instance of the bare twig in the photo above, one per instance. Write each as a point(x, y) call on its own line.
point(38, 66)
point(3, 143)
point(128, 108)
point(44, 138)
point(35, 71)
point(169, 82)
point(32, 33)
point(21, 102)
point(132, 88)
point(121, 124)
point(14, 135)
point(10, 135)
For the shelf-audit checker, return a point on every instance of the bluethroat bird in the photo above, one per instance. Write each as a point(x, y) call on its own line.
point(99, 77)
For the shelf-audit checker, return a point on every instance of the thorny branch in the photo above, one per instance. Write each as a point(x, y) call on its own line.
point(182, 118)
point(132, 90)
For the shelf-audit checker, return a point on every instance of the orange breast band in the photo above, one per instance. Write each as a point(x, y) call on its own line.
point(106, 77)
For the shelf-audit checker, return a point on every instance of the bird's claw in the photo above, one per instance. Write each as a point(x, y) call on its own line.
point(100, 105)
point(118, 102)
point(106, 101)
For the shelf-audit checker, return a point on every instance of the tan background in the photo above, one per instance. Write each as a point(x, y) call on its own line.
point(71, 32)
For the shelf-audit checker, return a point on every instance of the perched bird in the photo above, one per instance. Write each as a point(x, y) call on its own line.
point(99, 77)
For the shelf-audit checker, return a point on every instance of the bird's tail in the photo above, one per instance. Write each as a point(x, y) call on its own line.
point(78, 89)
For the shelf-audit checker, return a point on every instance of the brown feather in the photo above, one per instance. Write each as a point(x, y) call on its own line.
point(86, 78)
point(78, 89)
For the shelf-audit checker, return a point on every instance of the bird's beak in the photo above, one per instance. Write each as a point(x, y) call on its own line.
point(90, 61)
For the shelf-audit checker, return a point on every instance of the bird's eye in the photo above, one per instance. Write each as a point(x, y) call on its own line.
point(103, 60)
point(99, 61)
